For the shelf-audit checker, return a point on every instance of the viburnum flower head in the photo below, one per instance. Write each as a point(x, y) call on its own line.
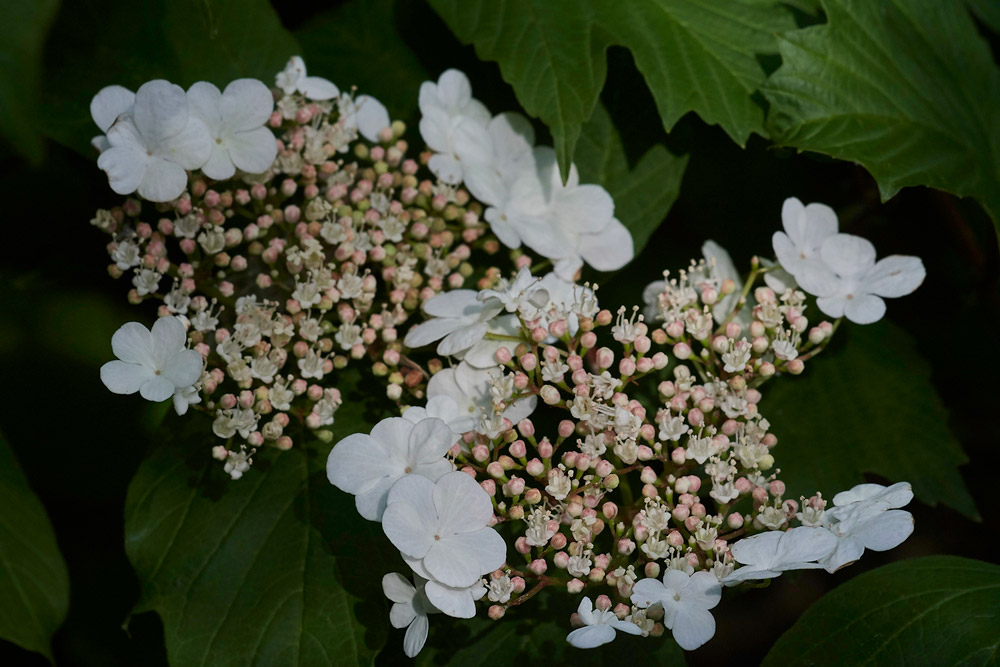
point(848, 282)
point(686, 599)
point(368, 465)
point(293, 78)
point(442, 528)
point(767, 555)
point(151, 147)
point(598, 626)
point(235, 120)
point(806, 228)
point(154, 363)
point(868, 517)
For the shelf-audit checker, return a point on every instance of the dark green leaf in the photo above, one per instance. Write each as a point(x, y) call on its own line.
point(937, 610)
point(358, 44)
point(22, 35)
point(868, 407)
point(907, 88)
point(643, 195)
point(276, 568)
point(987, 11)
point(104, 42)
point(699, 55)
point(34, 584)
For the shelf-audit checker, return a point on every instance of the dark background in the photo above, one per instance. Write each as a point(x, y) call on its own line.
point(79, 445)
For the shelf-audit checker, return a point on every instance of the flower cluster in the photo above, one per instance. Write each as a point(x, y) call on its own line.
point(657, 486)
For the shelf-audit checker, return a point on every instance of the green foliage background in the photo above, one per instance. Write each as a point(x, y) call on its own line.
point(690, 110)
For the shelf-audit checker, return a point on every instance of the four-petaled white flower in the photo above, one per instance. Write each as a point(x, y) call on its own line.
point(235, 120)
point(151, 147)
point(686, 599)
point(806, 228)
point(293, 78)
point(867, 517)
point(598, 626)
point(109, 103)
point(767, 555)
point(849, 283)
point(452, 123)
point(367, 465)
point(442, 528)
point(154, 363)
point(409, 610)
point(458, 319)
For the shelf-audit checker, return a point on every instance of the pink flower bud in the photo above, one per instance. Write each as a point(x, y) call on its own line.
point(681, 512)
point(682, 350)
point(776, 487)
point(796, 366)
point(626, 367)
point(521, 546)
point(545, 448)
point(695, 417)
point(735, 520)
point(574, 586)
point(495, 470)
point(539, 566)
point(489, 486)
point(625, 546)
point(558, 541)
point(604, 468)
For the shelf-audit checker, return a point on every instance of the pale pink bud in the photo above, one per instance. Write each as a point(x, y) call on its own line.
point(574, 586)
point(539, 566)
point(558, 541)
point(604, 468)
point(678, 455)
point(522, 546)
point(735, 520)
point(681, 512)
point(796, 366)
point(682, 350)
point(550, 395)
point(625, 546)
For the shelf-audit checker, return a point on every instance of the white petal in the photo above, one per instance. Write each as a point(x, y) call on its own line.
point(357, 462)
point(702, 590)
point(647, 591)
point(125, 166)
point(184, 368)
point(160, 110)
point(435, 128)
point(887, 531)
point(318, 88)
point(429, 441)
point(586, 209)
point(124, 378)
point(372, 501)
point(501, 226)
point(162, 181)
point(462, 339)
point(446, 167)
point(434, 470)
point(804, 544)
point(848, 551)
point(521, 409)
point(157, 389)
point(692, 626)
point(895, 276)
point(205, 101)
point(626, 626)
point(454, 303)
point(455, 602)
point(759, 549)
point(793, 219)
point(462, 505)
point(398, 588)
point(848, 255)
point(246, 104)
point(219, 166)
point(132, 343)
point(253, 151)
point(190, 148)
point(832, 306)
point(109, 103)
point(815, 277)
point(821, 223)
point(373, 117)
point(407, 530)
point(591, 636)
point(415, 636)
point(454, 89)
point(401, 614)
point(459, 560)
point(472, 143)
point(864, 309)
point(485, 184)
point(610, 249)
point(749, 573)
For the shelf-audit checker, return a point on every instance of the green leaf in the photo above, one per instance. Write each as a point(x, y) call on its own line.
point(870, 407)
point(34, 584)
point(987, 11)
point(699, 55)
point(104, 42)
point(907, 88)
point(937, 610)
point(272, 569)
point(22, 35)
point(643, 195)
point(359, 44)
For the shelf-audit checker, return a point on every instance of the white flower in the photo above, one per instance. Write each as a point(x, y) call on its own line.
point(445, 408)
point(235, 120)
point(849, 283)
point(522, 289)
point(508, 153)
point(409, 610)
point(109, 103)
point(806, 228)
point(866, 517)
point(767, 555)
point(470, 388)
point(154, 363)
point(452, 123)
point(293, 78)
point(686, 600)
point(151, 147)
point(443, 526)
point(366, 114)
point(369, 465)
point(458, 319)
point(599, 626)
point(483, 354)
